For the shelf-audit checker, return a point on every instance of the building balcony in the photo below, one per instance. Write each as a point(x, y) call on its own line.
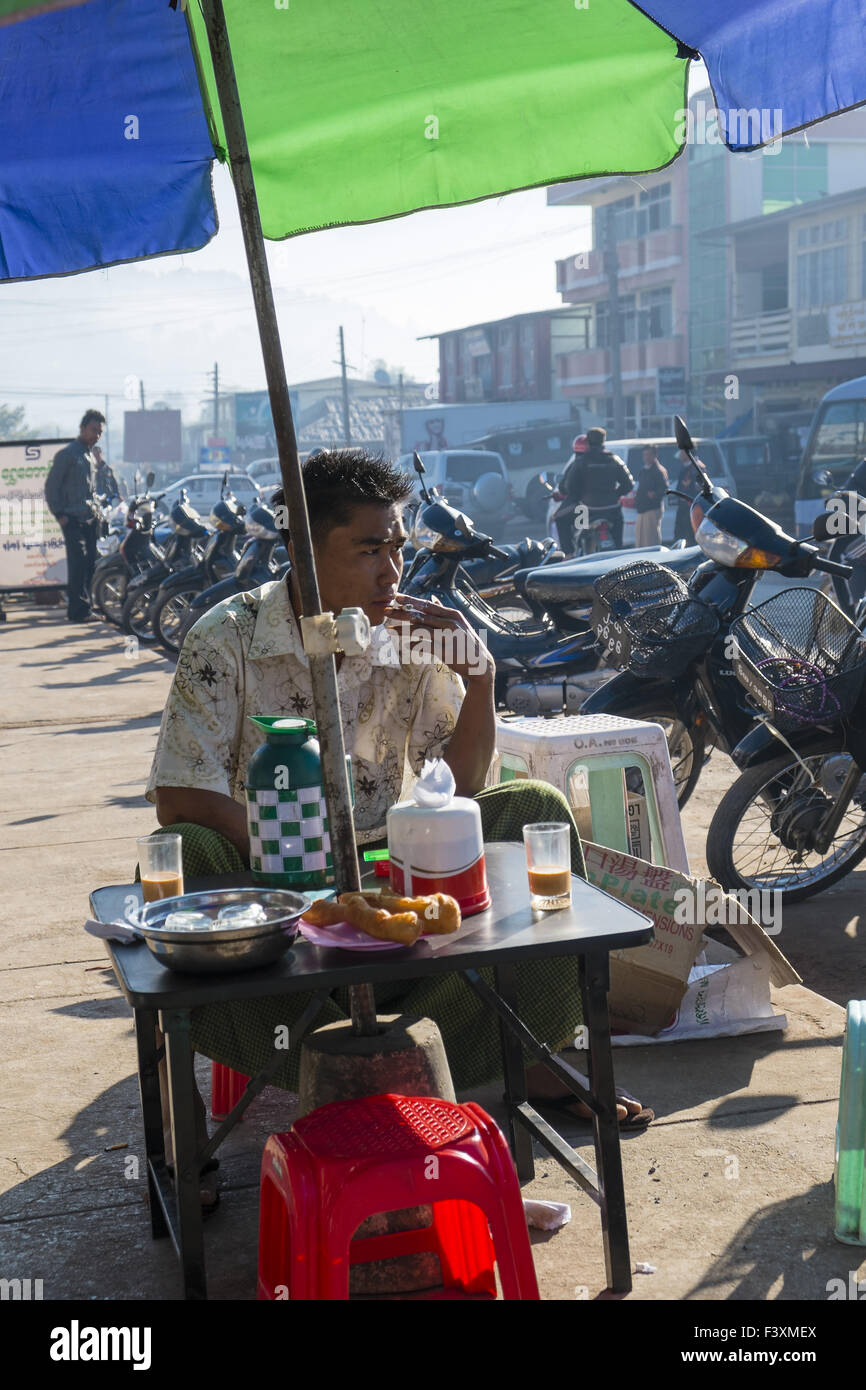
point(638, 257)
point(762, 335)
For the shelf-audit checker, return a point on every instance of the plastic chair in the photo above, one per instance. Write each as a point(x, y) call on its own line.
point(353, 1159)
point(850, 1171)
point(599, 747)
point(226, 1089)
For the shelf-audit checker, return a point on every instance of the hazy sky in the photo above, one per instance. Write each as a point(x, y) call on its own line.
point(67, 343)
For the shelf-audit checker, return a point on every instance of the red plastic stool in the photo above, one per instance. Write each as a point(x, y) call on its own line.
point(352, 1159)
point(226, 1089)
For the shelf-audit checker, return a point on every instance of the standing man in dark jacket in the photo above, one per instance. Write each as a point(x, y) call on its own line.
point(649, 500)
point(69, 492)
point(597, 480)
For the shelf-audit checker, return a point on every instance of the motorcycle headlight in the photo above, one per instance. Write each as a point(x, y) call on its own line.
point(719, 545)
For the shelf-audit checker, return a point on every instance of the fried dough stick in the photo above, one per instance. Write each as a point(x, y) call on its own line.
point(404, 927)
point(438, 912)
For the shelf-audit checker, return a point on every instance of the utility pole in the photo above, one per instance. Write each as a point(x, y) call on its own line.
point(346, 430)
point(401, 410)
point(611, 266)
point(216, 400)
point(141, 393)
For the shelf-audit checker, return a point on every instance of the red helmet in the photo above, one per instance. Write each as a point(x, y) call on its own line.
point(579, 445)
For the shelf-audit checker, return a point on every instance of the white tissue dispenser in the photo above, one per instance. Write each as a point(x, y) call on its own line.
point(438, 849)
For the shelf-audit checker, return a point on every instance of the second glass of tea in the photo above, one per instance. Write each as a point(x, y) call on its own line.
point(548, 859)
point(161, 867)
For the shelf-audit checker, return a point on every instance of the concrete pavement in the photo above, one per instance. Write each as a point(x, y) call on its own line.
point(729, 1191)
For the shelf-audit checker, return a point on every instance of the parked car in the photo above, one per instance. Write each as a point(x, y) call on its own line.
point(203, 491)
point(475, 481)
point(631, 453)
point(265, 473)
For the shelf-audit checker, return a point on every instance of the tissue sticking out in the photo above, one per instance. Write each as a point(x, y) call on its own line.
point(435, 843)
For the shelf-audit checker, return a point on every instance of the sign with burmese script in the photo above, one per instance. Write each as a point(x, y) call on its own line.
point(32, 551)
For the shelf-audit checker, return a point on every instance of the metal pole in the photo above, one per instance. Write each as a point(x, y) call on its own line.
point(611, 265)
point(347, 432)
point(323, 672)
point(216, 400)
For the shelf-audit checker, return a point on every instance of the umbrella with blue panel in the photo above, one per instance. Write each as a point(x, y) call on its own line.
point(111, 115)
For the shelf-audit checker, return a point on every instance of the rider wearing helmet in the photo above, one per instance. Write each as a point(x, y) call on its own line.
point(597, 480)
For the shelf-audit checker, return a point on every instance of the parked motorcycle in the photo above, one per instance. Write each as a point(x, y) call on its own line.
point(263, 558)
point(494, 575)
point(538, 668)
point(179, 552)
point(675, 656)
point(170, 608)
point(795, 820)
point(137, 552)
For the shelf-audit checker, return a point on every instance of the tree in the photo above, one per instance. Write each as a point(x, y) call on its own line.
point(12, 423)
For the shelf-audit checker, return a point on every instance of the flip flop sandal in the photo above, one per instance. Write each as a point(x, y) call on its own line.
point(564, 1104)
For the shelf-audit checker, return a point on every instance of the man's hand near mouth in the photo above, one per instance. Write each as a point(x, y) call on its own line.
point(471, 746)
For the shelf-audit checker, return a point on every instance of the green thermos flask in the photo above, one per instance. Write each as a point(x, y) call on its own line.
point(288, 826)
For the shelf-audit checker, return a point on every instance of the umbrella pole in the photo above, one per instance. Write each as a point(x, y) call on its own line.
point(323, 672)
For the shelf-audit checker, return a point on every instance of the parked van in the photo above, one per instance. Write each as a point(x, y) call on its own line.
point(631, 453)
point(836, 444)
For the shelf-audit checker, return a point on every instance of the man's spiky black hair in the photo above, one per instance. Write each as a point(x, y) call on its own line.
point(339, 480)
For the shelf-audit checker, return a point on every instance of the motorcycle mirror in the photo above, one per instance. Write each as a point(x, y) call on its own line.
point(684, 439)
point(823, 477)
point(151, 478)
point(421, 470)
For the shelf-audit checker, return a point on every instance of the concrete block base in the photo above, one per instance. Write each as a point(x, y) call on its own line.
point(407, 1058)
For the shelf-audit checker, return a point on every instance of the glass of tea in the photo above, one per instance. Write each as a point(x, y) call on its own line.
point(161, 866)
point(548, 860)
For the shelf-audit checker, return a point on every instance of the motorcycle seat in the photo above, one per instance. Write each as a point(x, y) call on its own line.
point(574, 579)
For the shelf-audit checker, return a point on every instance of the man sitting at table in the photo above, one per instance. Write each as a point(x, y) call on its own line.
point(245, 657)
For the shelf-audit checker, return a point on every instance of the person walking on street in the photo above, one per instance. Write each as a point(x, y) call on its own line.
point(69, 491)
point(649, 501)
point(596, 480)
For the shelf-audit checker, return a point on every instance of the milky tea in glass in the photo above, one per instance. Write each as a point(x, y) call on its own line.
point(161, 867)
point(548, 861)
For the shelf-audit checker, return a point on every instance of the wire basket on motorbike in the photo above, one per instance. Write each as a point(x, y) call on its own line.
point(648, 622)
point(800, 658)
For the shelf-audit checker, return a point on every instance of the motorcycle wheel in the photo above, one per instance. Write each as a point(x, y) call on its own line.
point(172, 617)
point(687, 751)
point(109, 595)
point(135, 615)
point(744, 850)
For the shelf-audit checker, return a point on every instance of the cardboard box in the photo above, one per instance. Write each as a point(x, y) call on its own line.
point(648, 982)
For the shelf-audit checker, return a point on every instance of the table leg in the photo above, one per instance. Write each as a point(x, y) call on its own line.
point(514, 1075)
point(151, 1112)
point(181, 1090)
point(594, 984)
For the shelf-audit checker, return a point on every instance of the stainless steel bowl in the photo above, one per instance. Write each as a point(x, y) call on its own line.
point(223, 948)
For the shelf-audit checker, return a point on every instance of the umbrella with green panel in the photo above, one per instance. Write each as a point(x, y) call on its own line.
point(353, 111)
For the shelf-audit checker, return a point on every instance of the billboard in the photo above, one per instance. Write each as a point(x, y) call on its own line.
point(32, 552)
point(151, 436)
